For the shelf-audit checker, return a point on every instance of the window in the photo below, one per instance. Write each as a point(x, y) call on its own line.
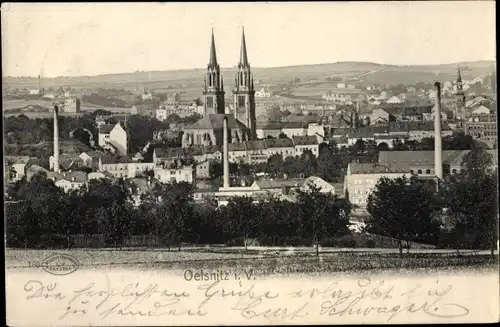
point(210, 102)
point(454, 171)
point(241, 101)
point(428, 171)
point(420, 171)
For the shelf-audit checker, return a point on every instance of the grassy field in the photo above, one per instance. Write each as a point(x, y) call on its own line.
point(13, 108)
point(17, 104)
point(263, 262)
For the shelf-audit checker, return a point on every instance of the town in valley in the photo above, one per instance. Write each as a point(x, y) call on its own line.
point(317, 157)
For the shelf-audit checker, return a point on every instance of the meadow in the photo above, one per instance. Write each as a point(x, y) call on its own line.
point(262, 262)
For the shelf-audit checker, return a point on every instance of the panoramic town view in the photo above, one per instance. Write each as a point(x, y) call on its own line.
point(326, 168)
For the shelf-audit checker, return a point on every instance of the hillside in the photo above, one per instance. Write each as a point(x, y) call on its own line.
point(363, 72)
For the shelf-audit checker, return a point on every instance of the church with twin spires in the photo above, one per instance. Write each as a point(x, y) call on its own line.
point(241, 125)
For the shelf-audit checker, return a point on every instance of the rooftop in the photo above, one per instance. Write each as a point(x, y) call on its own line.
point(216, 121)
point(425, 158)
point(209, 149)
point(377, 168)
point(195, 150)
point(275, 184)
point(256, 145)
point(107, 159)
point(236, 147)
point(106, 128)
point(268, 125)
point(292, 124)
point(305, 140)
point(169, 152)
point(279, 143)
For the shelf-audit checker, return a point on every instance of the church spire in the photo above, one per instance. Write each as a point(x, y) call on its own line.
point(213, 56)
point(459, 78)
point(243, 50)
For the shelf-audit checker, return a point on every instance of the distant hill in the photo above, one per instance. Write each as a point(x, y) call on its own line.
point(364, 72)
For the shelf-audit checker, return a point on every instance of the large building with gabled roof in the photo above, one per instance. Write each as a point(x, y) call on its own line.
point(209, 131)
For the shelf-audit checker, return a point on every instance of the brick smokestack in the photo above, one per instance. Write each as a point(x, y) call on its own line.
point(56, 138)
point(438, 146)
point(225, 151)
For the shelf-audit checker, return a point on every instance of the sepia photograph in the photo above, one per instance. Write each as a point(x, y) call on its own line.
point(253, 163)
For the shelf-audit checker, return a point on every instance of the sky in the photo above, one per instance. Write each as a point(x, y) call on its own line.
point(75, 39)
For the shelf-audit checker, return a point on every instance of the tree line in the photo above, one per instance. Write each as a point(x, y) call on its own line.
point(39, 214)
point(409, 209)
point(331, 163)
point(22, 133)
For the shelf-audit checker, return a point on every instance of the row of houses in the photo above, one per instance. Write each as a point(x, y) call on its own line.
point(343, 95)
point(422, 110)
point(110, 167)
point(75, 180)
point(361, 178)
point(250, 151)
point(404, 131)
point(406, 111)
point(290, 129)
point(127, 167)
point(179, 109)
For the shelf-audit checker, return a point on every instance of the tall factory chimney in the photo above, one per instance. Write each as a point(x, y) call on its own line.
point(39, 84)
point(438, 147)
point(56, 139)
point(225, 151)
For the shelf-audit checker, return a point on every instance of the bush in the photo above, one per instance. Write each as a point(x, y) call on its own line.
point(370, 244)
point(346, 241)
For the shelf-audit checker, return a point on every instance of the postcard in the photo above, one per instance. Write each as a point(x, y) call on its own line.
point(306, 163)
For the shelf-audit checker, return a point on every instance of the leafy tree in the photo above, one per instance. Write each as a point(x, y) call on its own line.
point(459, 141)
point(240, 215)
point(280, 219)
point(282, 136)
point(398, 145)
point(472, 197)
point(101, 112)
point(173, 119)
point(477, 161)
point(371, 150)
point(140, 130)
point(175, 212)
point(37, 208)
point(113, 221)
point(274, 164)
point(359, 147)
point(329, 163)
point(383, 147)
point(322, 215)
point(216, 169)
point(402, 209)
point(308, 163)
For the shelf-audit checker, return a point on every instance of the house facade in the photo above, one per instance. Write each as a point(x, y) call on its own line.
point(113, 137)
